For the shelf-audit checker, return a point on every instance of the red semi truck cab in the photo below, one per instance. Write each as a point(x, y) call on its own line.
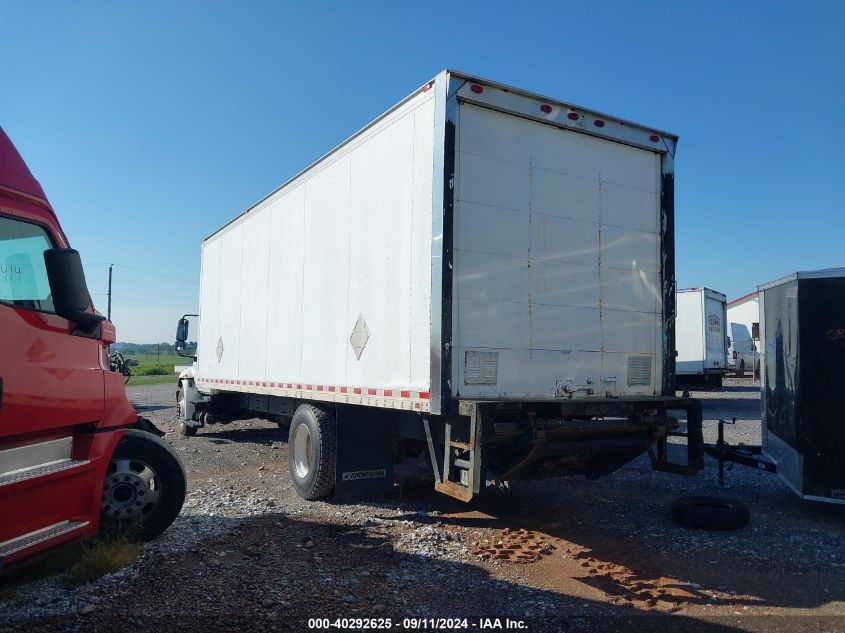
point(73, 452)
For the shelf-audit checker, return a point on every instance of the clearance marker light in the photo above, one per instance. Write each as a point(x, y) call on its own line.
point(572, 116)
point(598, 123)
point(426, 87)
point(477, 89)
point(546, 108)
point(654, 138)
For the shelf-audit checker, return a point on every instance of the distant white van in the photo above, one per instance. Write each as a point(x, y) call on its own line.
point(743, 353)
point(744, 335)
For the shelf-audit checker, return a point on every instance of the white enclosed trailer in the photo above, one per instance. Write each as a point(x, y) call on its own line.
point(481, 273)
point(700, 336)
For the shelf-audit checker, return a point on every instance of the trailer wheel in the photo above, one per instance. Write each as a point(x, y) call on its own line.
point(144, 487)
point(711, 513)
point(312, 452)
point(184, 430)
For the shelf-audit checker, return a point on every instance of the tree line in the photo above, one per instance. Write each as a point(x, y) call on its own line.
point(129, 349)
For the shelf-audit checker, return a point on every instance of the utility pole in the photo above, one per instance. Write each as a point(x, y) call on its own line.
point(109, 310)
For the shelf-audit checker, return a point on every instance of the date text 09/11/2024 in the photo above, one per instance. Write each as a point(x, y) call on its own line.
point(418, 624)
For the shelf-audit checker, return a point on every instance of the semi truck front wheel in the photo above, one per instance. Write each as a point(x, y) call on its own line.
point(184, 429)
point(312, 452)
point(144, 487)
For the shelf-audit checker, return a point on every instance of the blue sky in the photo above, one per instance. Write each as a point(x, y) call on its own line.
point(152, 124)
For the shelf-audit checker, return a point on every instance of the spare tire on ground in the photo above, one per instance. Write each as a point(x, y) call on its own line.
point(710, 513)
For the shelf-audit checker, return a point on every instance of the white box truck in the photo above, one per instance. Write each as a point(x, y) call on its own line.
point(700, 337)
point(481, 278)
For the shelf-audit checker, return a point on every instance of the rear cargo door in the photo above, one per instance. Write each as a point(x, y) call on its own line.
point(556, 261)
point(715, 335)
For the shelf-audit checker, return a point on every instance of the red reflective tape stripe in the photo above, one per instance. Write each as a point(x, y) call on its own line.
point(319, 387)
point(405, 394)
point(290, 386)
point(388, 392)
point(357, 390)
point(309, 387)
point(344, 390)
point(417, 405)
point(424, 395)
point(371, 392)
point(299, 386)
point(331, 389)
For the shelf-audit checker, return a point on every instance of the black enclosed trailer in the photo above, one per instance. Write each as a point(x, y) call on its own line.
point(803, 381)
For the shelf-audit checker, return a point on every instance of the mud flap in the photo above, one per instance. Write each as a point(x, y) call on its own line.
point(364, 452)
point(143, 424)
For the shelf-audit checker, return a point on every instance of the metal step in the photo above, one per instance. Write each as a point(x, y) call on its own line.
point(25, 541)
point(40, 470)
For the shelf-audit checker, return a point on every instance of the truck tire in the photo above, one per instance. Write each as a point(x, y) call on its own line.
point(144, 487)
point(184, 430)
point(711, 513)
point(312, 452)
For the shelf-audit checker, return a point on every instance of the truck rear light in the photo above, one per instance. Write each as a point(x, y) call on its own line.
point(477, 89)
point(734, 354)
point(546, 108)
point(427, 87)
point(654, 138)
point(598, 123)
point(572, 116)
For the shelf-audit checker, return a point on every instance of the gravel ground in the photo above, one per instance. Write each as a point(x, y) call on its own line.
point(248, 554)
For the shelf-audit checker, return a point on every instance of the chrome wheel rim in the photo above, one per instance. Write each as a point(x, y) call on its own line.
point(302, 451)
point(131, 490)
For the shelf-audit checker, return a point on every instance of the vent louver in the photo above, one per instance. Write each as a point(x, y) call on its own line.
point(639, 371)
point(481, 368)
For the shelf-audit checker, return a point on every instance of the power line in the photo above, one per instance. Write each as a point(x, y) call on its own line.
point(146, 272)
point(156, 303)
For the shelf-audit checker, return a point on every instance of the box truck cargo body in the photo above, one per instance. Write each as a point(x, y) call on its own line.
point(803, 382)
point(700, 336)
point(480, 270)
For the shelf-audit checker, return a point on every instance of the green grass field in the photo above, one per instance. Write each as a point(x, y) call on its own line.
point(153, 362)
point(148, 360)
point(138, 381)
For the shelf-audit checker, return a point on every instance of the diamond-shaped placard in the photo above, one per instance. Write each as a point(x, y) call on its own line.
point(359, 337)
point(219, 349)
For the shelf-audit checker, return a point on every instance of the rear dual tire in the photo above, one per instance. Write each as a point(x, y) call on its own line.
point(312, 452)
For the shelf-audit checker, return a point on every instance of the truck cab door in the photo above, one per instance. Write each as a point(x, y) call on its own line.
point(51, 378)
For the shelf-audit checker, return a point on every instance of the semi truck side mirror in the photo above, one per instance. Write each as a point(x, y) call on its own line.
point(181, 333)
point(68, 287)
